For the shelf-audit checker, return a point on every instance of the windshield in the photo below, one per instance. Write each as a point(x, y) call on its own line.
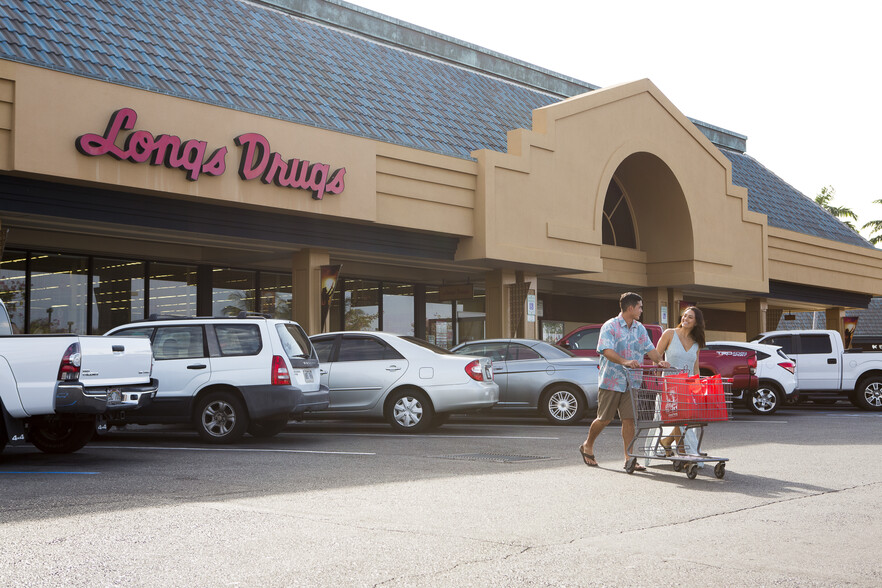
point(425, 344)
point(294, 340)
point(5, 323)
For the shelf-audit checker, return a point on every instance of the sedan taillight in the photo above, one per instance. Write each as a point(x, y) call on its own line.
point(789, 366)
point(475, 371)
point(280, 375)
point(70, 363)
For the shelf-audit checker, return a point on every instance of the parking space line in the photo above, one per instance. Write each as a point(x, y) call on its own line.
point(240, 449)
point(405, 436)
point(63, 473)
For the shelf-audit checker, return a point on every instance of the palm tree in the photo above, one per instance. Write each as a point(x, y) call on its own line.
point(841, 212)
point(875, 227)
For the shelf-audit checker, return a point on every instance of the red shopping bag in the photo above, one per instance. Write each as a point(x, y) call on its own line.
point(680, 399)
point(713, 405)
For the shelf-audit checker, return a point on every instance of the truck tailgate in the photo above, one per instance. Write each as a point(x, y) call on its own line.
point(116, 361)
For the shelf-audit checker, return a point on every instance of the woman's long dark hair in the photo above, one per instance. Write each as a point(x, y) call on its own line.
point(698, 329)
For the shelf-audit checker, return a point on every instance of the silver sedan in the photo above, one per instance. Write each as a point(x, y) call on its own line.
point(535, 374)
point(412, 384)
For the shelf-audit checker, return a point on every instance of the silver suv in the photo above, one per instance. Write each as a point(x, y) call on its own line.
point(228, 375)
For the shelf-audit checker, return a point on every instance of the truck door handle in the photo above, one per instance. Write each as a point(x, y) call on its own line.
point(197, 366)
point(118, 348)
point(831, 360)
point(323, 372)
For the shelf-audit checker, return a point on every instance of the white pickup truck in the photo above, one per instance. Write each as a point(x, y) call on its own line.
point(826, 372)
point(52, 387)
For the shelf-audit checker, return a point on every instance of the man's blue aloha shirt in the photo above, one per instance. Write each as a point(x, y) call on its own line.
point(629, 343)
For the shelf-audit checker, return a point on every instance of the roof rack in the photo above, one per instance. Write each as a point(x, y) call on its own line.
point(251, 314)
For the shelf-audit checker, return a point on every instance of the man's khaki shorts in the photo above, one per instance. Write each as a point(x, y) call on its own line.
point(610, 401)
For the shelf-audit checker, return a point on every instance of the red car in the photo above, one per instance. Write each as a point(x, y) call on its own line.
point(738, 365)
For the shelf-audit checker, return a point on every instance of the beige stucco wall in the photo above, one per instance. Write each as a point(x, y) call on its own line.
point(804, 259)
point(385, 183)
point(536, 208)
point(542, 202)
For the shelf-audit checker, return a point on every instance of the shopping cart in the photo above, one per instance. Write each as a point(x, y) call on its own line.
point(665, 398)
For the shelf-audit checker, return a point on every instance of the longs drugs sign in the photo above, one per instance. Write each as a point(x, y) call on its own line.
point(256, 160)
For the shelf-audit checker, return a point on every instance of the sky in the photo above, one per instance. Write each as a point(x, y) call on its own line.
point(799, 79)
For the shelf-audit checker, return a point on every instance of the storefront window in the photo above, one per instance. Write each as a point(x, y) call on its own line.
point(117, 293)
point(398, 308)
point(232, 291)
point(362, 305)
point(12, 287)
point(276, 295)
point(439, 319)
point(172, 289)
point(59, 289)
point(470, 318)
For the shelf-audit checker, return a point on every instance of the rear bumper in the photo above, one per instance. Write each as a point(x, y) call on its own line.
point(75, 398)
point(464, 397)
point(267, 401)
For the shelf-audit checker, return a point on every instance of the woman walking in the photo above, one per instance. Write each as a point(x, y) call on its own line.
point(680, 346)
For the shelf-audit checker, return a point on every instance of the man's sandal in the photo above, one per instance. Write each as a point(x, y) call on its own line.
point(586, 456)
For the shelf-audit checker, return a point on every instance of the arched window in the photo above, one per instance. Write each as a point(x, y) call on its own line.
point(618, 219)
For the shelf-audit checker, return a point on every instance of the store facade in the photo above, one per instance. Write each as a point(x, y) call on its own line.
point(120, 199)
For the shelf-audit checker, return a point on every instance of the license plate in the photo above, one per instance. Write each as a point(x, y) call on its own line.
point(307, 376)
point(114, 395)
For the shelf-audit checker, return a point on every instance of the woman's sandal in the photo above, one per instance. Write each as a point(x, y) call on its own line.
point(586, 456)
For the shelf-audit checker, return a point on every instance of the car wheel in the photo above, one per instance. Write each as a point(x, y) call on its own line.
point(409, 411)
point(868, 395)
point(562, 405)
point(221, 418)
point(51, 434)
point(765, 399)
point(267, 428)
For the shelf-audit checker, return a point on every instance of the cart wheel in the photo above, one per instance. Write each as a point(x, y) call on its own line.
point(630, 465)
point(678, 465)
point(692, 471)
point(720, 470)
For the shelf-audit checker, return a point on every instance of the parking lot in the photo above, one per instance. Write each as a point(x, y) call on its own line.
point(483, 500)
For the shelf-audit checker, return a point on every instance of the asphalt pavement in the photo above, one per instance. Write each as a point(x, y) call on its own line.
point(481, 501)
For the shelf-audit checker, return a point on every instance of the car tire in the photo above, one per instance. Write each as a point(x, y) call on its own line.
point(562, 405)
point(409, 411)
point(267, 428)
point(868, 394)
point(51, 434)
point(765, 400)
point(220, 418)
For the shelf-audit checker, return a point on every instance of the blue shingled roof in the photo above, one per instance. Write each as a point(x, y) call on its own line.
point(787, 207)
point(256, 59)
point(253, 58)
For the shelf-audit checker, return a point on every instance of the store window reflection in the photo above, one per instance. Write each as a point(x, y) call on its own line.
point(362, 302)
point(59, 290)
point(172, 289)
point(232, 291)
point(13, 282)
point(439, 319)
point(117, 293)
point(471, 317)
point(398, 308)
point(276, 296)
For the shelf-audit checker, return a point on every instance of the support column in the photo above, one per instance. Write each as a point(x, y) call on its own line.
point(675, 297)
point(834, 320)
point(496, 303)
point(653, 300)
point(755, 316)
point(307, 289)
